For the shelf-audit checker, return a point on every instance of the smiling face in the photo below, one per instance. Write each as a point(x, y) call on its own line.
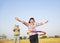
point(31, 20)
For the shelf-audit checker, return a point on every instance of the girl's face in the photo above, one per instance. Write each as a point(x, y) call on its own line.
point(31, 21)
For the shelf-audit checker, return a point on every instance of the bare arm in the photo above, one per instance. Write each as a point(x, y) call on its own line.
point(42, 23)
point(45, 22)
point(25, 23)
point(18, 19)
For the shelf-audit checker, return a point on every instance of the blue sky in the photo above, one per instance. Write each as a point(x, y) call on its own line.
point(41, 10)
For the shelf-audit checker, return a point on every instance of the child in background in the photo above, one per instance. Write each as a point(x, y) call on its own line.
point(16, 31)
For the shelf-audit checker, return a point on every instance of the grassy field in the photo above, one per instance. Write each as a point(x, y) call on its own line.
point(46, 40)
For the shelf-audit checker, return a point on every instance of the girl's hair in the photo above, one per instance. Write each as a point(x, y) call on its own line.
point(32, 19)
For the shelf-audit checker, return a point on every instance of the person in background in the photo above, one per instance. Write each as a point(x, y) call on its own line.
point(16, 31)
point(32, 27)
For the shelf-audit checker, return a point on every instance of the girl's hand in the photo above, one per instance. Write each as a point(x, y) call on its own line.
point(46, 22)
point(17, 18)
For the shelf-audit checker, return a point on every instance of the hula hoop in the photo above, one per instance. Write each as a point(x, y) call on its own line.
point(43, 33)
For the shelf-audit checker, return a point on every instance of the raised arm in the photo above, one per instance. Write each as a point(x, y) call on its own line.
point(41, 23)
point(25, 23)
point(45, 22)
point(19, 20)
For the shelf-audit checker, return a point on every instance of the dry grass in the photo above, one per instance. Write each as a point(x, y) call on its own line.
point(46, 40)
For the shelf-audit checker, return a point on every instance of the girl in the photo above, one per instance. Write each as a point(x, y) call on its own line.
point(32, 27)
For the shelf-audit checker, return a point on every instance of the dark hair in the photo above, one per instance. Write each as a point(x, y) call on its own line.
point(32, 19)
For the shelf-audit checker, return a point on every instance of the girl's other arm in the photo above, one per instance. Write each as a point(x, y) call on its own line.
point(25, 23)
point(45, 22)
point(42, 23)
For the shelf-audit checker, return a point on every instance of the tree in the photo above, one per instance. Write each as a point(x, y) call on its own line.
point(56, 36)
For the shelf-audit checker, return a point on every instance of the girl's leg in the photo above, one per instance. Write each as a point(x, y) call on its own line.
point(31, 39)
point(15, 39)
point(36, 38)
point(18, 39)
